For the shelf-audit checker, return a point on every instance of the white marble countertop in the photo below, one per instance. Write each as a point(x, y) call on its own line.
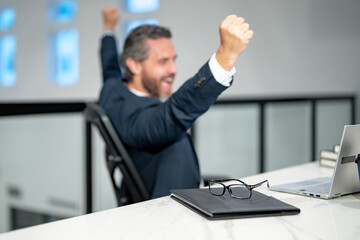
point(164, 218)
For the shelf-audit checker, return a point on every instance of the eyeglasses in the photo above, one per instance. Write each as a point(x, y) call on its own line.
point(238, 190)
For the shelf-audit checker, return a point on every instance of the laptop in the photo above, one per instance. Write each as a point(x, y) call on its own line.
point(345, 179)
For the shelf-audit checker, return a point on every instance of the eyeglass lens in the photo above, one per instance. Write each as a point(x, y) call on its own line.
point(239, 191)
point(216, 188)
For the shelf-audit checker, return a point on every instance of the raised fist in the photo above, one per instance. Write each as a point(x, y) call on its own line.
point(235, 35)
point(110, 16)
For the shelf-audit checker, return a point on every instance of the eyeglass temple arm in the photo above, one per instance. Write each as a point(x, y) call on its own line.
point(224, 180)
point(259, 184)
point(251, 186)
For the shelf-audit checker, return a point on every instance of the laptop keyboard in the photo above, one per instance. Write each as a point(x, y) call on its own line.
point(316, 188)
point(318, 185)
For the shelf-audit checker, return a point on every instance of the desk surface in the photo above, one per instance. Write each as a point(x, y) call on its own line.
point(164, 218)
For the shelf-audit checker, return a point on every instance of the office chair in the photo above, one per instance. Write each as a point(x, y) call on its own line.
point(117, 158)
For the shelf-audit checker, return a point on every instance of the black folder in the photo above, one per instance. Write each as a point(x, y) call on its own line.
point(226, 207)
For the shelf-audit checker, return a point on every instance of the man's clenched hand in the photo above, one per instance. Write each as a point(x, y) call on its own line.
point(110, 16)
point(235, 35)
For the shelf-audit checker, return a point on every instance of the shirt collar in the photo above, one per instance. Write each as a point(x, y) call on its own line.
point(141, 94)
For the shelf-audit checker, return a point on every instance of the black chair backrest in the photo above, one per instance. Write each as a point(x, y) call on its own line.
point(117, 158)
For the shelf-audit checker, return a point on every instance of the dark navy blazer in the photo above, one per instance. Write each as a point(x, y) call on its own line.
point(154, 132)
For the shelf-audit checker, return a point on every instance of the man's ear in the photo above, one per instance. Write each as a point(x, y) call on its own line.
point(134, 66)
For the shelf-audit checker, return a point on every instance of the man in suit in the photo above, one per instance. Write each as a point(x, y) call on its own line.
point(151, 121)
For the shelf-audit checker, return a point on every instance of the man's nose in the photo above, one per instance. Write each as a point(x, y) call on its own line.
point(173, 68)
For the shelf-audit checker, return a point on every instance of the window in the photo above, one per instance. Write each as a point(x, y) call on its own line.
point(141, 9)
point(66, 52)
point(141, 6)
point(7, 59)
point(62, 11)
point(64, 43)
point(136, 23)
point(7, 48)
point(7, 19)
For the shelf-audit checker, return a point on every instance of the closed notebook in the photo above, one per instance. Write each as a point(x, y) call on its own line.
point(227, 207)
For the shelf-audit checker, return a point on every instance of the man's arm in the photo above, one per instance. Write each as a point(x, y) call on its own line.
point(108, 52)
point(152, 124)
